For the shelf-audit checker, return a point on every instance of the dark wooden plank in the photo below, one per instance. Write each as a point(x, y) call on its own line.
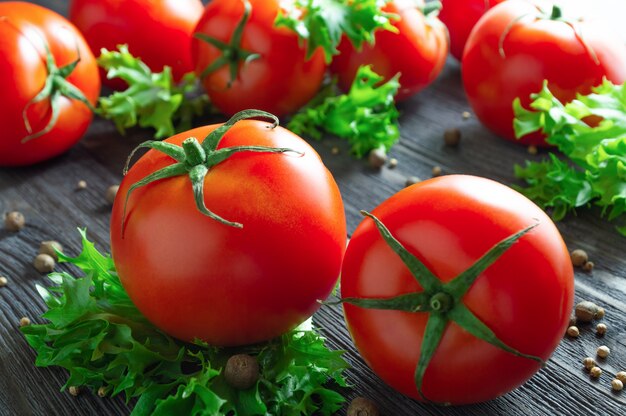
point(47, 195)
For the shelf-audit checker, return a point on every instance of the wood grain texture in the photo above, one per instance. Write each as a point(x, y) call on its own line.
point(53, 207)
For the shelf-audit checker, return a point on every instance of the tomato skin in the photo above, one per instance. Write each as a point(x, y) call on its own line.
point(23, 72)
point(157, 31)
point(196, 278)
point(281, 81)
point(418, 51)
point(448, 223)
point(460, 16)
point(536, 49)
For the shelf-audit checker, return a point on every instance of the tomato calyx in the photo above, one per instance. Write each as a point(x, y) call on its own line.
point(443, 302)
point(196, 160)
point(232, 52)
point(431, 8)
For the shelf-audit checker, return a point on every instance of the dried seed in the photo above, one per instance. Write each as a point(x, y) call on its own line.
point(334, 150)
point(532, 150)
point(579, 257)
point(621, 376)
point(603, 351)
point(24, 321)
point(50, 248)
point(466, 115)
point(601, 329)
point(3, 281)
point(44, 263)
point(595, 372)
point(110, 193)
point(81, 185)
point(437, 171)
point(74, 390)
point(452, 137)
point(377, 158)
point(600, 313)
point(586, 311)
point(589, 363)
point(362, 406)
point(412, 180)
point(102, 391)
point(617, 385)
point(241, 371)
point(393, 163)
point(573, 331)
point(572, 320)
point(14, 221)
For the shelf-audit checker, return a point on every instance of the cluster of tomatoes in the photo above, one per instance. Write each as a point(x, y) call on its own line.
point(196, 277)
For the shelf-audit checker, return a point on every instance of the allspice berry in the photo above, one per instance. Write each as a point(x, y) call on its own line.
point(588, 267)
point(437, 171)
point(377, 158)
point(595, 372)
point(24, 321)
point(586, 311)
point(362, 406)
point(14, 221)
point(74, 390)
point(452, 137)
point(102, 391)
point(601, 329)
point(589, 363)
point(573, 331)
point(110, 193)
point(50, 248)
point(621, 376)
point(617, 385)
point(44, 263)
point(81, 185)
point(241, 371)
point(579, 257)
point(3, 281)
point(600, 312)
point(603, 351)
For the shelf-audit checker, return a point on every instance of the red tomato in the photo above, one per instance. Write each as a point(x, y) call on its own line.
point(195, 277)
point(280, 80)
point(573, 57)
point(25, 31)
point(157, 31)
point(418, 51)
point(460, 16)
point(448, 223)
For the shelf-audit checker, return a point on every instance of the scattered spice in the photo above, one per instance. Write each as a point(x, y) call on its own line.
point(14, 221)
point(452, 137)
point(573, 331)
point(603, 351)
point(588, 267)
point(44, 263)
point(362, 406)
point(393, 163)
point(573, 320)
point(579, 257)
point(601, 329)
point(595, 372)
point(334, 150)
point(600, 313)
point(621, 376)
point(586, 311)
point(412, 180)
point(589, 363)
point(3, 281)
point(24, 321)
point(617, 385)
point(241, 371)
point(102, 391)
point(74, 390)
point(111, 192)
point(50, 248)
point(466, 115)
point(377, 158)
point(532, 150)
point(437, 171)
point(81, 185)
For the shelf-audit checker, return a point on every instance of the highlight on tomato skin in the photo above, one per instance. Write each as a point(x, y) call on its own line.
point(524, 297)
point(36, 45)
point(196, 277)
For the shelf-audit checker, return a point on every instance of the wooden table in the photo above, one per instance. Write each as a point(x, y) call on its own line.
point(47, 196)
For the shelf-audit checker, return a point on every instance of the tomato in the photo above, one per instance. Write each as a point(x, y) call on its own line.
point(418, 51)
point(536, 45)
point(525, 297)
point(267, 69)
point(195, 277)
point(56, 121)
point(460, 16)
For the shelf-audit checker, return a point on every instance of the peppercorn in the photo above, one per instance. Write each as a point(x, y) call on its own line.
point(81, 185)
point(102, 391)
point(241, 371)
point(393, 163)
point(24, 321)
point(589, 363)
point(621, 376)
point(362, 406)
point(44, 263)
point(437, 171)
point(3, 281)
point(603, 351)
point(601, 329)
point(50, 248)
point(110, 193)
point(595, 372)
point(600, 313)
point(452, 137)
point(579, 257)
point(617, 385)
point(588, 267)
point(412, 180)
point(14, 221)
point(573, 331)
point(586, 311)
point(532, 150)
point(74, 390)
point(377, 158)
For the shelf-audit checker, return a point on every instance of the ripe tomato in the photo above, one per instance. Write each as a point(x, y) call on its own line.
point(516, 45)
point(157, 31)
point(525, 297)
point(267, 69)
point(195, 277)
point(460, 16)
point(57, 118)
point(418, 51)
